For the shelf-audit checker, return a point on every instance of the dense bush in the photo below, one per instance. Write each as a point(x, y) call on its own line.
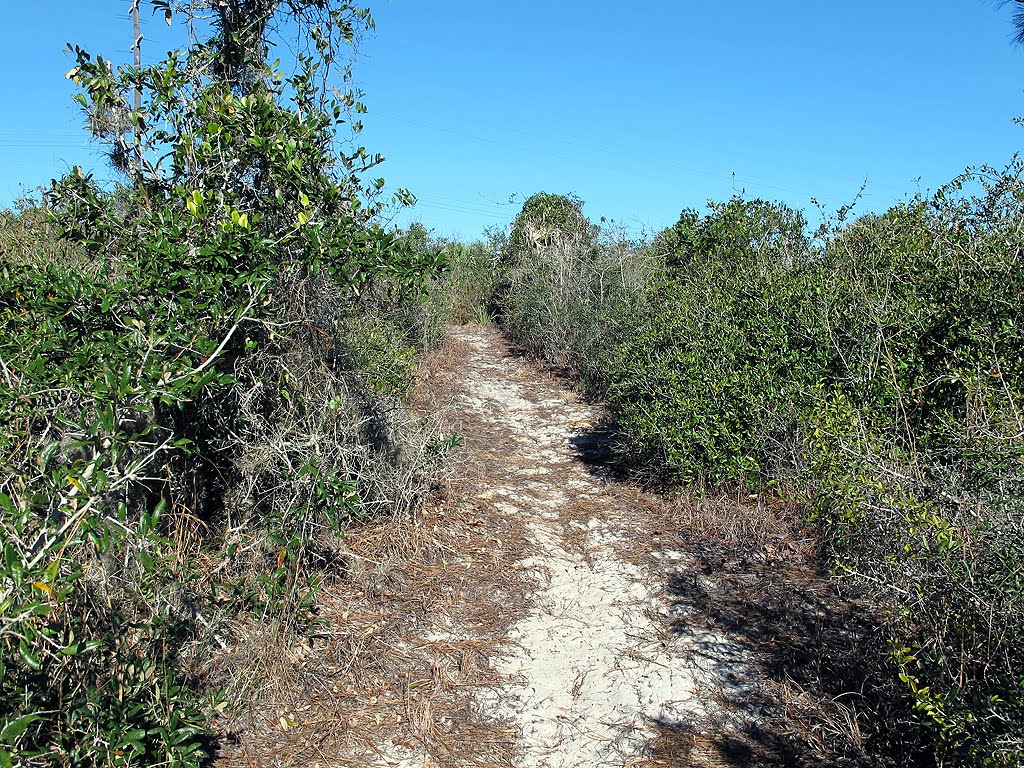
point(194, 401)
point(565, 286)
point(461, 290)
point(704, 386)
point(469, 282)
point(872, 369)
point(914, 448)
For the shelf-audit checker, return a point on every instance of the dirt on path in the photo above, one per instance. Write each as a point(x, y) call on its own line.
point(524, 620)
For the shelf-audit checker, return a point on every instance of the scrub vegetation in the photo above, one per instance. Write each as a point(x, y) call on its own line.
point(203, 371)
point(200, 377)
point(870, 370)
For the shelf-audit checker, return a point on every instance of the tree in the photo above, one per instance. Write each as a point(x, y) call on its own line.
point(1018, 19)
point(224, 135)
point(550, 221)
point(244, 30)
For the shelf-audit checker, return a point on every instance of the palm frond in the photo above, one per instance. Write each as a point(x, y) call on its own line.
point(1018, 19)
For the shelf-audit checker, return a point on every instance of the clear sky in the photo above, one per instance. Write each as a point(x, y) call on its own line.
point(641, 109)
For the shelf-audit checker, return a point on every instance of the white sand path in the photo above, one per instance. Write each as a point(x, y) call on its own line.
point(589, 667)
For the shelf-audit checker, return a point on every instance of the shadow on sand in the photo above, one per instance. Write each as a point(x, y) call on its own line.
point(802, 668)
point(819, 688)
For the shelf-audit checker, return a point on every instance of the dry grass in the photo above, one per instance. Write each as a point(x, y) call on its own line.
point(750, 568)
point(409, 633)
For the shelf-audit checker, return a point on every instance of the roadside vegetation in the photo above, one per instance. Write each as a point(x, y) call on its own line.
point(870, 370)
point(201, 375)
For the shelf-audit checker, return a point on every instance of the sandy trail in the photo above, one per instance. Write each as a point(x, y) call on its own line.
point(521, 623)
point(590, 666)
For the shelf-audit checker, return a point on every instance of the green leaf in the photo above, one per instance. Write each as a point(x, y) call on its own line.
point(28, 657)
point(14, 729)
point(132, 737)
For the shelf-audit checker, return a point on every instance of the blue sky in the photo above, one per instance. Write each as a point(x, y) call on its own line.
point(641, 109)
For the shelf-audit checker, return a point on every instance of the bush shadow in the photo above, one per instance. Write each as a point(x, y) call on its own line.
point(818, 687)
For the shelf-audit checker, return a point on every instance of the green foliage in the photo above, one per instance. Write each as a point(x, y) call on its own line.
point(380, 346)
point(880, 374)
point(470, 281)
point(463, 290)
point(914, 456)
point(873, 370)
point(565, 286)
point(181, 397)
point(547, 221)
point(700, 387)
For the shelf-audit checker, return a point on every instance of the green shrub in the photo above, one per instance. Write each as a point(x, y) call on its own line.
point(185, 428)
point(462, 288)
point(915, 456)
point(28, 235)
point(470, 281)
point(873, 370)
point(567, 289)
point(710, 381)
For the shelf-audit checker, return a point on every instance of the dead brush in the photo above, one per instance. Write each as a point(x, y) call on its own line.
point(29, 236)
point(764, 524)
point(317, 452)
